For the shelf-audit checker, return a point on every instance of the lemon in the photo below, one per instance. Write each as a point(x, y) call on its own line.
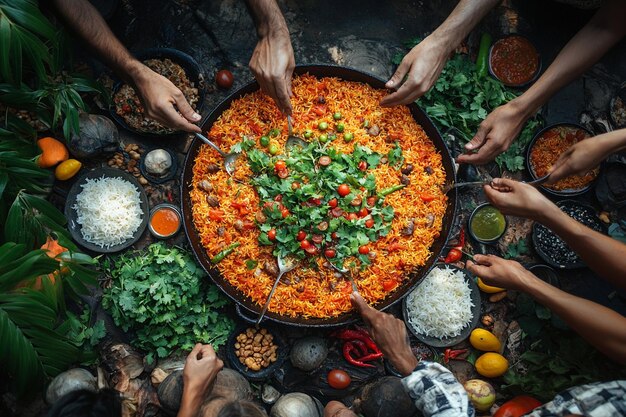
point(488, 288)
point(491, 365)
point(67, 169)
point(484, 340)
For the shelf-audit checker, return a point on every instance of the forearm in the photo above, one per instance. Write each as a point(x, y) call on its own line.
point(89, 25)
point(604, 255)
point(189, 405)
point(604, 30)
point(267, 17)
point(611, 142)
point(600, 326)
point(461, 21)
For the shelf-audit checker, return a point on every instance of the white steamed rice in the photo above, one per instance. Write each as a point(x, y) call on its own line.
point(441, 306)
point(108, 210)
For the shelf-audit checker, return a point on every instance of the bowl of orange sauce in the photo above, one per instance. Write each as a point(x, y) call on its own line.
point(165, 220)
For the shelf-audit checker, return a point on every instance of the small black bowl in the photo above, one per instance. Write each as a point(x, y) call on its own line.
point(264, 373)
point(193, 71)
point(471, 232)
point(72, 215)
point(155, 179)
point(448, 341)
point(531, 171)
point(525, 83)
point(546, 249)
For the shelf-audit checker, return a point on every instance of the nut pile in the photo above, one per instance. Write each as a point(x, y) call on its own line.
point(256, 349)
point(132, 166)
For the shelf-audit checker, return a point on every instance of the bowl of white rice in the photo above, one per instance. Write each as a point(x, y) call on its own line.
point(444, 308)
point(106, 210)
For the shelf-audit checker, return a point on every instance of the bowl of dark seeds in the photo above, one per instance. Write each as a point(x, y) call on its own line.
point(552, 249)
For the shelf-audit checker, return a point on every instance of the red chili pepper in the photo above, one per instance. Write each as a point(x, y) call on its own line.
point(170, 197)
point(371, 357)
point(452, 354)
point(453, 256)
point(461, 239)
point(348, 348)
point(359, 344)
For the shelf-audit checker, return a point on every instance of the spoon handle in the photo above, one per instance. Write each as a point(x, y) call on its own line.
point(269, 298)
point(211, 144)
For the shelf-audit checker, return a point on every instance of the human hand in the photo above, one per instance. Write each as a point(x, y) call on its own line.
point(272, 64)
point(499, 272)
point(517, 198)
point(337, 409)
point(201, 367)
point(164, 102)
point(389, 333)
point(495, 134)
point(584, 156)
point(421, 66)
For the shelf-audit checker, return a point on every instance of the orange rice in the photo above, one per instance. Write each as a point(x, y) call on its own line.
point(547, 150)
point(317, 292)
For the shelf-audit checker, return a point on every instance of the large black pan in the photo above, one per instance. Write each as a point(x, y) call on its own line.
point(248, 305)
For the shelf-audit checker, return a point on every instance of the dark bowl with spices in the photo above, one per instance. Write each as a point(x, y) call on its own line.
point(514, 61)
point(546, 148)
point(552, 249)
point(269, 346)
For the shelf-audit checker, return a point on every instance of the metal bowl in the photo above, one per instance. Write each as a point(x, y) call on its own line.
point(249, 307)
point(471, 232)
point(157, 208)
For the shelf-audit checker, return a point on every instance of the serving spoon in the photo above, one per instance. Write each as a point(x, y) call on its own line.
point(284, 265)
point(230, 159)
point(446, 188)
point(293, 140)
point(344, 271)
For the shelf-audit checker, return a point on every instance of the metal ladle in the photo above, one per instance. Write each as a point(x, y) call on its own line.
point(344, 271)
point(293, 140)
point(230, 159)
point(283, 268)
point(448, 187)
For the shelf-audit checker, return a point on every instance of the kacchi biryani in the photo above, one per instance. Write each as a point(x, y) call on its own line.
point(364, 195)
point(129, 107)
point(548, 148)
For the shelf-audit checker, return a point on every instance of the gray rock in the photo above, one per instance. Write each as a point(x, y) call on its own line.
point(308, 353)
point(69, 381)
point(97, 135)
point(297, 404)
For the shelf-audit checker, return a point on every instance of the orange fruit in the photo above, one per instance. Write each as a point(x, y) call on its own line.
point(491, 365)
point(484, 340)
point(52, 152)
point(67, 169)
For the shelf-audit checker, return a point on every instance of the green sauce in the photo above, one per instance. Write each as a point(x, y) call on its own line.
point(488, 223)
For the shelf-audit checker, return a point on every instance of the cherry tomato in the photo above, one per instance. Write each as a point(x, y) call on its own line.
point(364, 250)
point(280, 165)
point(333, 235)
point(126, 108)
point(284, 212)
point(305, 244)
point(518, 406)
point(369, 223)
point(389, 285)
point(338, 379)
point(283, 173)
point(324, 160)
point(352, 216)
point(295, 185)
point(301, 235)
point(224, 79)
point(343, 190)
point(363, 212)
point(363, 166)
point(312, 250)
point(279, 197)
point(329, 253)
point(315, 201)
point(333, 203)
point(371, 201)
point(271, 235)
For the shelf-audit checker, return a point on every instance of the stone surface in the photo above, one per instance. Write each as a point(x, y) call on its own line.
point(69, 381)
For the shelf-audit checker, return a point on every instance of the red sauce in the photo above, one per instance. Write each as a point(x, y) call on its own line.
point(514, 60)
point(165, 221)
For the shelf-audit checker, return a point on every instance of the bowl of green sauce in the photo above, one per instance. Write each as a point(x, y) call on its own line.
point(487, 224)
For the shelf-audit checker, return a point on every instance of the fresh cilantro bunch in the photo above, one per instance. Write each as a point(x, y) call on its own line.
point(306, 214)
point(165, 299)
point(461, 98)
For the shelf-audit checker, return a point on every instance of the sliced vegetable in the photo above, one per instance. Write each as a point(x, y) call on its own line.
point(224, 253)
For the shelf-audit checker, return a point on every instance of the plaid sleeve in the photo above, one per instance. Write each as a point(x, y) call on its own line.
point(436, 392)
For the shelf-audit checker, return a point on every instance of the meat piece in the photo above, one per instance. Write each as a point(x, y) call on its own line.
point(428, 170)
point(206, 186)
point(260, 217)
point(212, 168)
point(213, 201)
point(408, 228)
point(407, 169)
point(321, 100)
point(374, 130)
point(384, 160)
point(238, 225)
point(405, 180)
point(317, 239)
point(220, 231)
point(431, 219)
point(271, 268)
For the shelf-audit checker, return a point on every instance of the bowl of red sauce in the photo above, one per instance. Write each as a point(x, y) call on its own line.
point(514, 61)
point(165, 220)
